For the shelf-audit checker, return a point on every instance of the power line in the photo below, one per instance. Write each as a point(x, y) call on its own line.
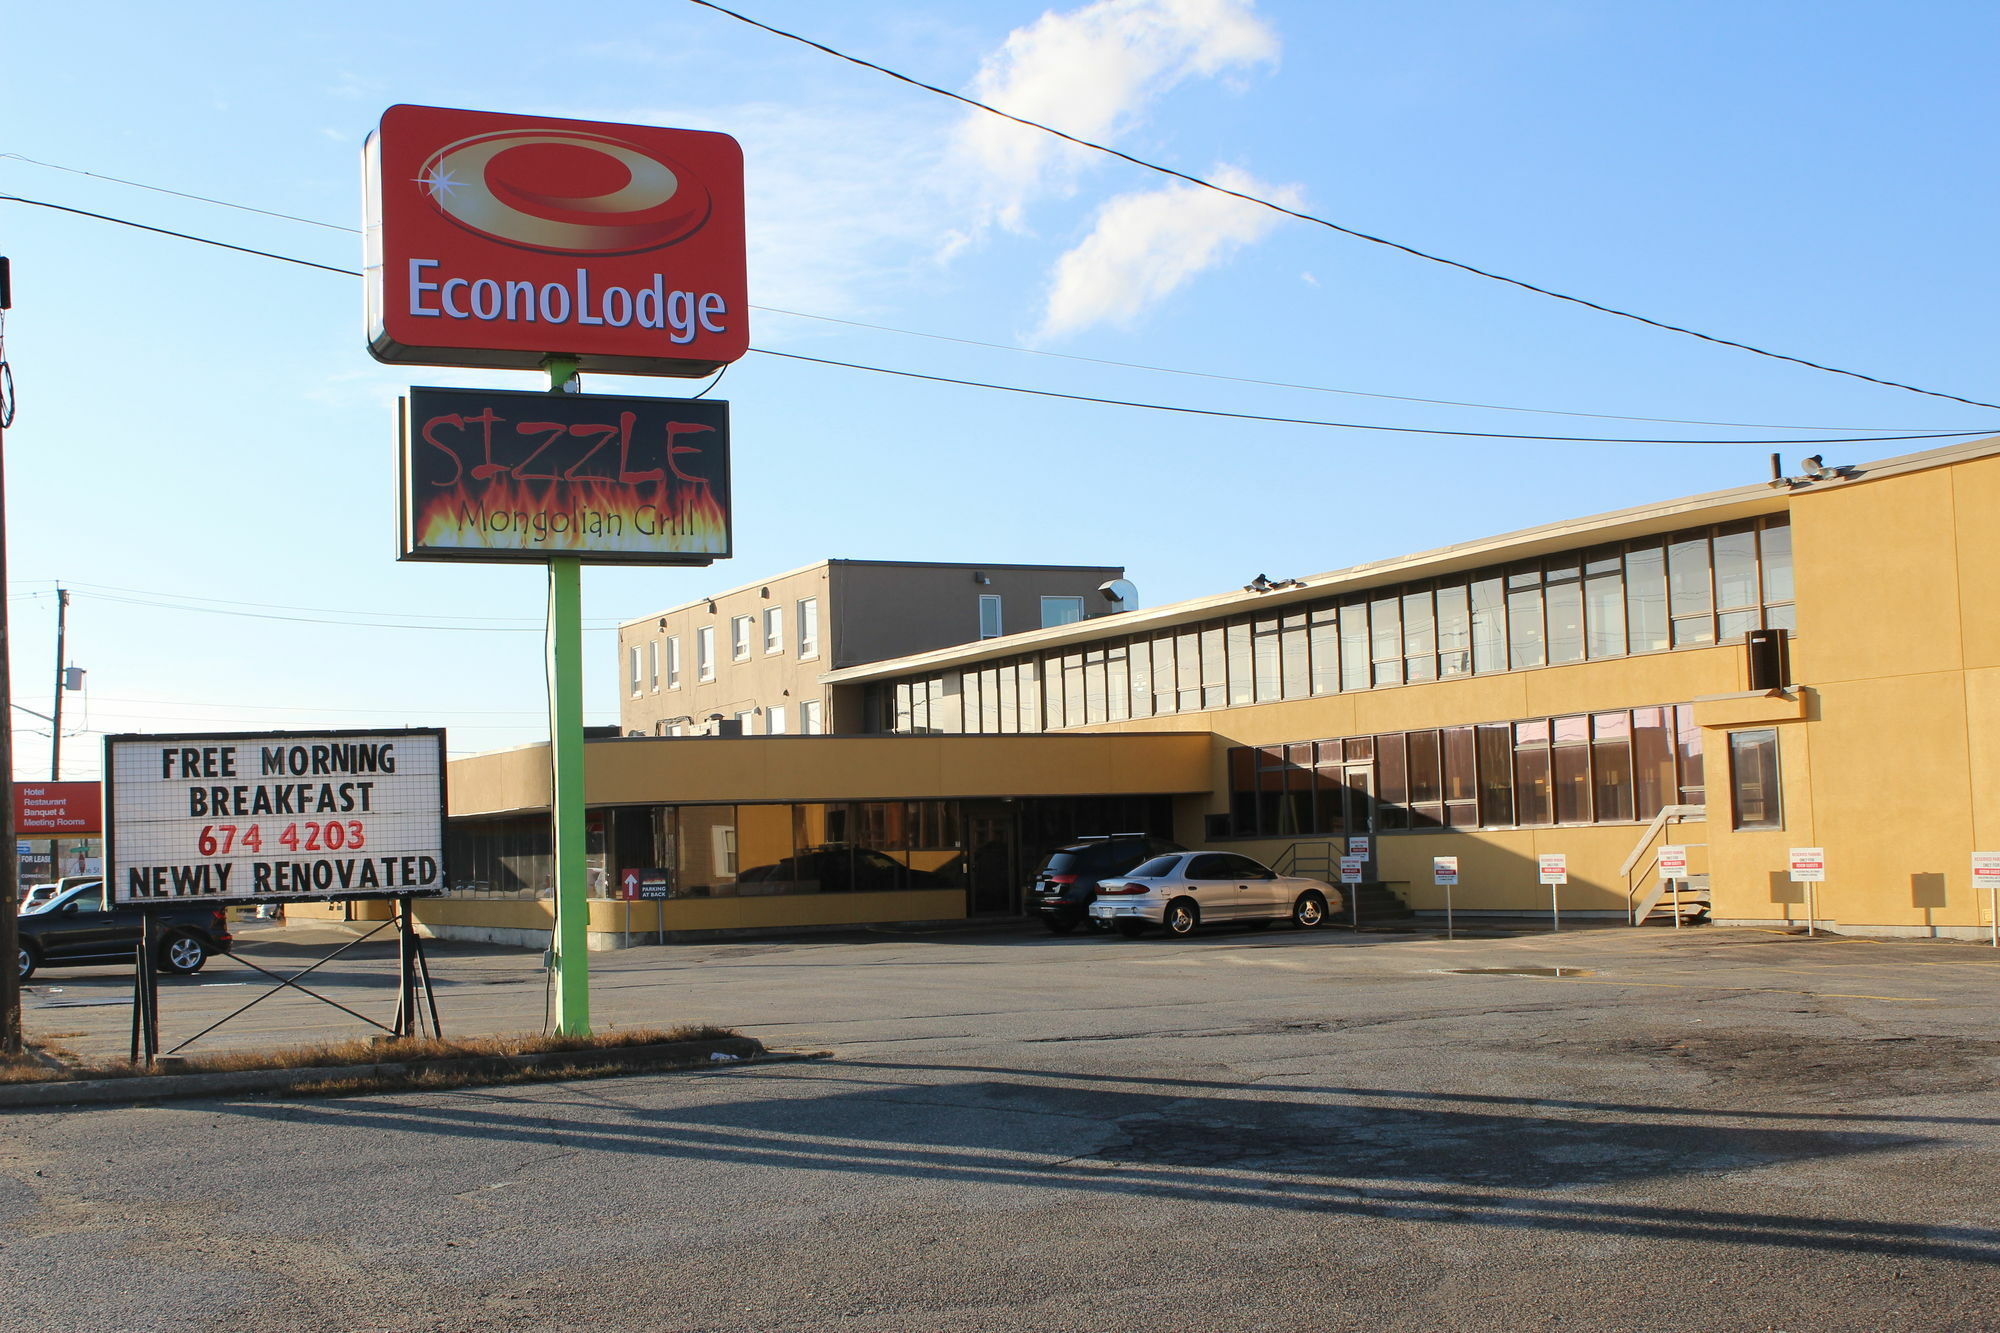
point(1122, 402)
point(1344, 425)
point(1010, 347)
point(283, 606)
point(1327, 223)
point(181, 235)
point(179, 194)
point(363, 624)
point(1305, 388)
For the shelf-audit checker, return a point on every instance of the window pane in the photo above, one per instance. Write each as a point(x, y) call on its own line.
point(1731, 626)
point(1241, 689)
point(1324, 644)
point(1392, 782)
point(1072, 689)
point(1031, 694)
point(1652, 761)
point(1426, 779)
point(1187, 656)
point(1165, 674)
point(1010, 699)
point(1293, 657)
point(1776, 546)
point(1524, 628)
point(1735, 568)
point(1534, 802)
point(1419, 637)
point(1753, 780)
point(1604, 615)
point(1061, 611)
point(1141, 655)
point(1354, 647)
point(1095, 708)
point(1117, 687)
point(1496, 775)
point(989, 617)
point(1646, 599)
point(1264, 654)
point(1460, 776)
point(1214, 673)
point(1689, 746)
point(1572, 769)
point(1454, 631)
point(1687, 577)
point(1565, 609)
point(1782, 617)
point(1489, 627)
point(1611, 766)
point(1385, 634)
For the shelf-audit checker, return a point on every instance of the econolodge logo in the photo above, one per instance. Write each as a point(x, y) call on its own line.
point(502, 240)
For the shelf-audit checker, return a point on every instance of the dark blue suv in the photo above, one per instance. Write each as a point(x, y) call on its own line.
point(1066, 884)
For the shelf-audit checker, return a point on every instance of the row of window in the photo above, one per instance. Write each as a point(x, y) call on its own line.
point(1583, 768)
point(1055, 611)
point(1684, 590)
point(776, 722)
point(741, 630)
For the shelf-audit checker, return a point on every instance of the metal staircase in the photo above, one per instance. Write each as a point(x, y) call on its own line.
point(1370, 900)
point(1647, 894)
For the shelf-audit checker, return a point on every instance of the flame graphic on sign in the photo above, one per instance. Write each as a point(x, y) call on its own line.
point(588, 514)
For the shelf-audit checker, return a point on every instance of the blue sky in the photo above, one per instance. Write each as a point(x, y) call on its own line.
point(205, 451)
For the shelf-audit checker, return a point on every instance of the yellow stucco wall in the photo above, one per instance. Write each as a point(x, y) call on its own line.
point(645, 918)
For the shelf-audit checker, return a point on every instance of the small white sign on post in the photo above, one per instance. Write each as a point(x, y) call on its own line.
point(1555, 874)
point(1986, 875)
point(1809, 868)
point(1353, 869)
point(1358, 845)
point(1444, 873)
point(1673, 862)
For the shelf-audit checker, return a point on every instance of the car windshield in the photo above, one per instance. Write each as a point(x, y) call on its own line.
point(1155, 868)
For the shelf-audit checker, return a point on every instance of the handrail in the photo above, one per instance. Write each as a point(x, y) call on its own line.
point(1644, 845)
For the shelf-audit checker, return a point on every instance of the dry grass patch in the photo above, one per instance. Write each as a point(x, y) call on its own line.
point(45, 1061)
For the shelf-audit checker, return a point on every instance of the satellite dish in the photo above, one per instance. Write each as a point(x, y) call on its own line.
point(1120, 593)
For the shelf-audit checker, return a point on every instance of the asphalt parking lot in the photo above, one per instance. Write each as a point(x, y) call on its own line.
point(1607, 1128)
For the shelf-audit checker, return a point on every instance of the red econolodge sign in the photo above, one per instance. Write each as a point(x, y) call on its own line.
point(497, 240)
point(57, 809)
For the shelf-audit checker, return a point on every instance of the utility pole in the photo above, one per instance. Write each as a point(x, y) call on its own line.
point(10, 860)
point(55, 729)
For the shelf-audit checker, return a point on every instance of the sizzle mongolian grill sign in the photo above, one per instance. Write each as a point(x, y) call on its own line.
point(498, 240)
point(276, 815)
point(493, 474)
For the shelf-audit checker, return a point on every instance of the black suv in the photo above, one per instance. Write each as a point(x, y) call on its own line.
point(1067, 882)
point(78, 929)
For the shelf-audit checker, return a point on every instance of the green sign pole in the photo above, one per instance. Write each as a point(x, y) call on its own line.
point(570, 951)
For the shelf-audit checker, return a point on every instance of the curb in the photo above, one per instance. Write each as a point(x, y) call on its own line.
point(156, 1087)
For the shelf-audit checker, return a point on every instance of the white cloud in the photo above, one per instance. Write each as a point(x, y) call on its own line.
point(1091, 72)
point(1145, 246)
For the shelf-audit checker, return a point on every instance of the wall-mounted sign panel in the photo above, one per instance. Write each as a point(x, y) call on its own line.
point(58, 809)
point(274, 816)
point(495, 475)
point(496, 240)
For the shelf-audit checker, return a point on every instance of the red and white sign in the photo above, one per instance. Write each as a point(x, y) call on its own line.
point(498, 240)
point(1444, 870)
point(1358, 846)
point(1673, 862)
point(1555, 867)
point(1986, 870)
point(57, 809)
point(1808, 865)
point(1352, 869)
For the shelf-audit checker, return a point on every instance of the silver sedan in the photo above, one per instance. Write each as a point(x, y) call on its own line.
point(1184, 890)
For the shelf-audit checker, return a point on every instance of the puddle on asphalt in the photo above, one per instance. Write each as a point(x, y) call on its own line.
point(1522, 971)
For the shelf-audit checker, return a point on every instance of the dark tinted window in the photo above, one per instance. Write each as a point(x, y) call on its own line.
point(1155, 868)
point(1216, 865)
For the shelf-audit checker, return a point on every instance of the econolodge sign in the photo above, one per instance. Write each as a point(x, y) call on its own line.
point(274, 816)
point(497, 240)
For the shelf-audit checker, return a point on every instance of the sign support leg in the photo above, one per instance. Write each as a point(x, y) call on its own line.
point(572, 965)
point(1555, 907)
point(1448, 932)
point(406, 951)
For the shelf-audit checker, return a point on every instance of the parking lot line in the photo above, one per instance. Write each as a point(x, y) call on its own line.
point(1773, 990)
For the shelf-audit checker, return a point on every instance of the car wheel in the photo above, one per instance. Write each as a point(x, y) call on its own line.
point(1182, 917)
point(1059, 925)
point(1309, 911)
point(29, 960)
point(183, 954)
point(1131, 930)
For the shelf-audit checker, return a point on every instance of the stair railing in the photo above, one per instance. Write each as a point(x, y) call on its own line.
point(1646, 854)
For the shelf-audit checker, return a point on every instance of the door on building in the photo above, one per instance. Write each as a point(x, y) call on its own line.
point(993, 880)
point(1360, 799)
